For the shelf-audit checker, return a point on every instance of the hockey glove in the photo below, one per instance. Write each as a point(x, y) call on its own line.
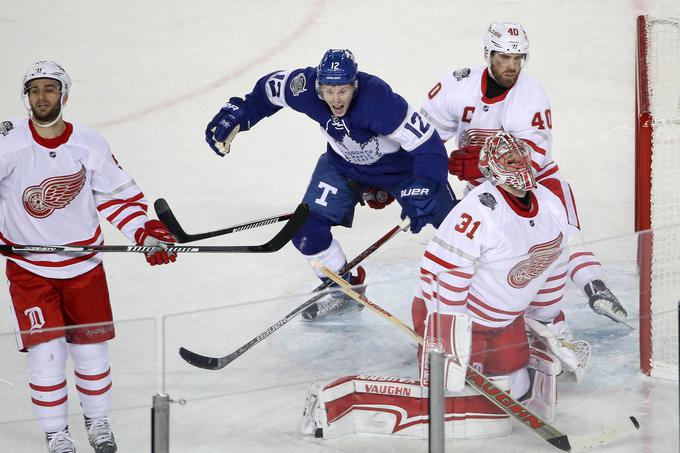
point(377, 198)
point(417, 201)
point(602, 300)
point(223, 128)
point(464, 163)
point(156, 234)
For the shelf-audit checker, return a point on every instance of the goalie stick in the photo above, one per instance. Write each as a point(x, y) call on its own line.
point(166, 216)
point(217, 363)
point(276, 243)
point(500, 398)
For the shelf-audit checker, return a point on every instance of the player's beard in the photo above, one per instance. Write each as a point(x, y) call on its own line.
point(506, 81)
point(47, 117)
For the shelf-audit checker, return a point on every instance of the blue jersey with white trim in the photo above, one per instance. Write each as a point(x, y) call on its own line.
point(379, 141)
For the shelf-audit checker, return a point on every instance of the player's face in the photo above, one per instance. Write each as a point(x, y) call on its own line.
point(338, 97)
point(44, 97)
point(505, 68)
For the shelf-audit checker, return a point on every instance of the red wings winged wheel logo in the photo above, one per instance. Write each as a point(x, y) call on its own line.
point(53, 193)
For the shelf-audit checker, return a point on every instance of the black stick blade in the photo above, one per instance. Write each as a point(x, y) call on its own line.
point(166, 216)
point(199, 361)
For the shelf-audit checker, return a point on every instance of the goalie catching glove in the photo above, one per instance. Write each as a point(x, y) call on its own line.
point(156, 234)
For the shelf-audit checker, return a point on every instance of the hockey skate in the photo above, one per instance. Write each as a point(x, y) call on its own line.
point(60, 442)
point(337, 303)
point(100, 435)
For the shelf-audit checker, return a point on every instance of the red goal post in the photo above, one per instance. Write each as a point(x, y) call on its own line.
point(657, 189)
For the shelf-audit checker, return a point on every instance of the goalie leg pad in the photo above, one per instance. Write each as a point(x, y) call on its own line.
point(362, 404)
point(542, 396)
point(453, 334)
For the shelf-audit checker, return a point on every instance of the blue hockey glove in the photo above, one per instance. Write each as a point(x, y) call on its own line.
point(223, 128)
point(418, 203)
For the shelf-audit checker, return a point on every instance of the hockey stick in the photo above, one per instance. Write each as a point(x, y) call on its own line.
point(166, 216)
point(498, 397)
point(276, 243)
point(216, 363)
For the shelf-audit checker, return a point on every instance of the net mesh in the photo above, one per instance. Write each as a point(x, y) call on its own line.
point(663, 63)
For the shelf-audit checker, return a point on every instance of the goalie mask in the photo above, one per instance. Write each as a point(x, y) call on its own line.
point(506, 37)
point(46, 70)
point(505, 159)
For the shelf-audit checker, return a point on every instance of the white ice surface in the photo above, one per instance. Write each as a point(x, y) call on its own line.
point(149, 75)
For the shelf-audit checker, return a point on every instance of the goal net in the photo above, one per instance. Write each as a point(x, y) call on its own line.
point(658, 192)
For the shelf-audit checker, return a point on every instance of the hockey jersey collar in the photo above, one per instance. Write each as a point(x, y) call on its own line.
point(51, 143)
point(485, 82)
point(517, 206)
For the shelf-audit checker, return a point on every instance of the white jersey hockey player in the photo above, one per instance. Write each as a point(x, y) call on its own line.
point(469, 105)
point(55, 180)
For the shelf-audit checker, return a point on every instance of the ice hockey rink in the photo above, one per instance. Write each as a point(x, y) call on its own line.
point(149, 75)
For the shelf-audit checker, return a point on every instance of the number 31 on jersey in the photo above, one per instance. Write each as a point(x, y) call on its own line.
point(467, 225)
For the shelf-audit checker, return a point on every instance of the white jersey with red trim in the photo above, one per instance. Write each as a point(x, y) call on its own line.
point(458, 108)
point(491, 260)
point(51, 191)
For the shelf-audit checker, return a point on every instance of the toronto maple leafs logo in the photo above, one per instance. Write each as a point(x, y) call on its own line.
point(488, 200)
point(541, 256)
point(53, 193)
point(297, 84)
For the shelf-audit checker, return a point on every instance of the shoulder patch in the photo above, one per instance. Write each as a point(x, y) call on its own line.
point(298, 84)
point(5, 127)
point(460, 74)
point(488, 200)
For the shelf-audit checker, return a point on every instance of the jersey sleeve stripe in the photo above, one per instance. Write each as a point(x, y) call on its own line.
point(110, 203)
point(552, 290)
point(557, 277)
point(127, 219)
point(535, 147)
point(579, 254)
point(117, 212)
point(435, 259)
point(582, 265)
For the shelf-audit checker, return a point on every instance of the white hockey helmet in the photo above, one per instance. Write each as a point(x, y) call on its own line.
point(46, 69)
point(505, 159)
point(505, 37)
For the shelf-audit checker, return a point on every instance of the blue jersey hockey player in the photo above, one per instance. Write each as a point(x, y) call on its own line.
point(376, 141)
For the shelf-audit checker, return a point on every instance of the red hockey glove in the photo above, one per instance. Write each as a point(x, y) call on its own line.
point(155, 233)
point(377, 198)
point(464, 162)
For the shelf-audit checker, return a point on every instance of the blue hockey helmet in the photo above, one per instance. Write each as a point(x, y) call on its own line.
point(337, 67)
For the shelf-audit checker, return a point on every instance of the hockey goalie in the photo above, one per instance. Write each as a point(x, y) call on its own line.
point(501, 248)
